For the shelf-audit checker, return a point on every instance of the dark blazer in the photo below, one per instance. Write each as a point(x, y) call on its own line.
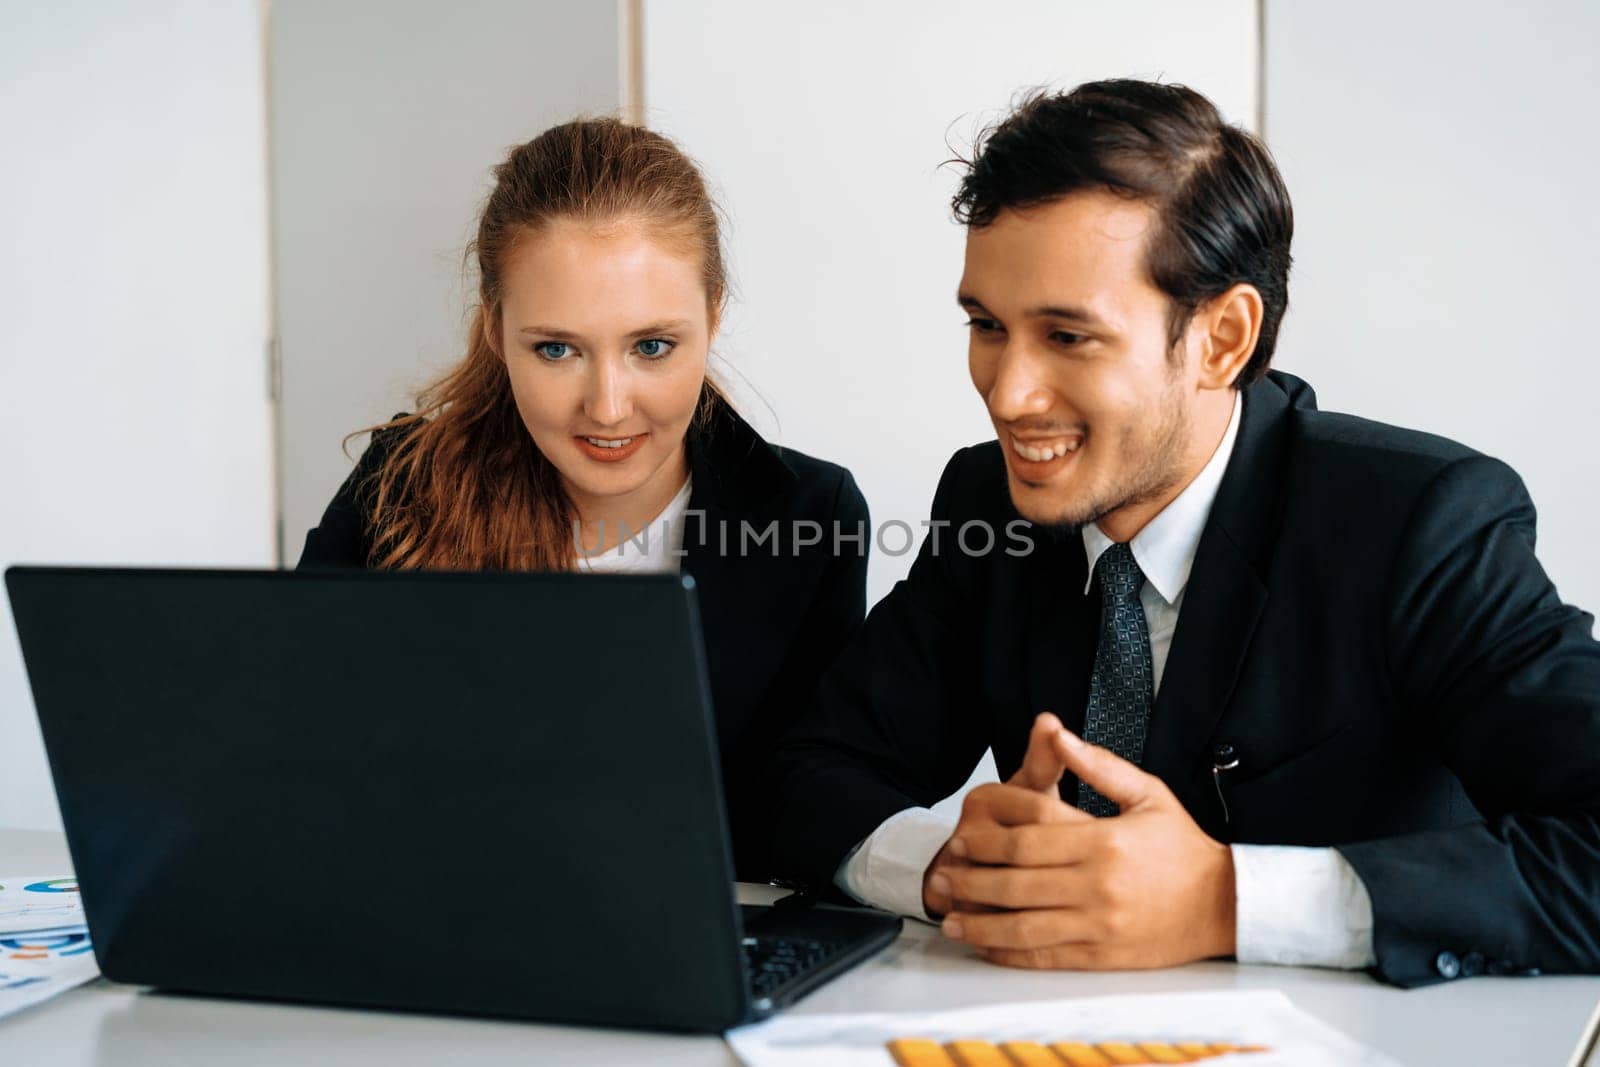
point(772, 618)
point(1365, 624)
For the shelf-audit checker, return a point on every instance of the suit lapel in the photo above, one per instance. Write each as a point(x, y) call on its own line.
point(1226, 593)
point(736, 476)
point(1060, 629)
point(1060, 637)
point(716, 589)
point(1220, 610)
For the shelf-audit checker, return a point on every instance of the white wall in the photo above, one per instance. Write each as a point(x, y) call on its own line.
point(386, 118)
point(1440, 169)
point(824, 132)
point(134, 314)
point(824, 128)
point(1443, 161)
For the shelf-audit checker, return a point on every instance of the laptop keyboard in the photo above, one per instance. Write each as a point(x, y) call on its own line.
point(791, 950)
point(773, 962)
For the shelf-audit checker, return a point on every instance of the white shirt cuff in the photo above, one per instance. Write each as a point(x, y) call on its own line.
point(1305, 907)
point(886, 869)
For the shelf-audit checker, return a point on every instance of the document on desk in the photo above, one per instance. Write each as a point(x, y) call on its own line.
point(38, 902)
point(44, 946)
point(1249, 1029)
point(40, 965)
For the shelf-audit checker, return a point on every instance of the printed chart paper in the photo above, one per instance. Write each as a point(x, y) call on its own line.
point(36, 967)
point(1235, 1029)
point(44, 946)
point(38, 902)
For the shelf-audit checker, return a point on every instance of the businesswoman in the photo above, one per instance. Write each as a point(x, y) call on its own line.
point(581, 431)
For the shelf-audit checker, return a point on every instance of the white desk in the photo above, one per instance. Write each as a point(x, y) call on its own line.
point(1482, 1020)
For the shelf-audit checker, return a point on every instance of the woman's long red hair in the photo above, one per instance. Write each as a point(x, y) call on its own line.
point(463, 486)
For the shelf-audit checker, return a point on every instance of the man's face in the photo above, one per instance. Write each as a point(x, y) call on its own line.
point(1069, 350)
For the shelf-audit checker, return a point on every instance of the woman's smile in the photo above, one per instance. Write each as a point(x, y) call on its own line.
point(611, 449)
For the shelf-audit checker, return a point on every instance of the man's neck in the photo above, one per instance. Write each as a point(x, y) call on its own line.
point(1212, 411)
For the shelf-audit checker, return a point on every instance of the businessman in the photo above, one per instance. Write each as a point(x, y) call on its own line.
point(1273, 683)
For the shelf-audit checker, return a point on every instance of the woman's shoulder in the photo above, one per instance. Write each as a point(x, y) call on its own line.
point(344, 535)
point(360, 489)
point(738, 468)
point(385, 439)
point(820, 480)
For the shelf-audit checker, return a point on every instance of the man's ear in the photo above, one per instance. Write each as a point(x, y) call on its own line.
point(1228, 326)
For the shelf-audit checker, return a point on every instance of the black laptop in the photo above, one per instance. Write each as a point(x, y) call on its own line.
point(492, 794)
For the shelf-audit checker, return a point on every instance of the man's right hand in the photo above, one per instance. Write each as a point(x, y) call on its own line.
point(1029, 796)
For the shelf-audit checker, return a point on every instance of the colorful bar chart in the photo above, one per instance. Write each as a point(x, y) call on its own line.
point(1244, 1028)
point(922, 1052)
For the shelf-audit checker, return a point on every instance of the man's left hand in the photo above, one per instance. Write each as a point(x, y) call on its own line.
point(1143, 888)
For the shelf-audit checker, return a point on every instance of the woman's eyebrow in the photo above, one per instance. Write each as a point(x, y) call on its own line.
point(556, 332)
point(664, 326)
point(550, 331)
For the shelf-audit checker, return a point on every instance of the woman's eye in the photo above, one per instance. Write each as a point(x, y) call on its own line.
point(654, 348)
point(982, 325)
point(1067, 338)
point(553, 350)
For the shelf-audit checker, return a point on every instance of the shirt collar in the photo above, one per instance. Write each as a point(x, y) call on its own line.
point(1165, 548)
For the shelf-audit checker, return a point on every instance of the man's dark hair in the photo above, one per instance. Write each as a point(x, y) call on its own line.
point(1223, 213)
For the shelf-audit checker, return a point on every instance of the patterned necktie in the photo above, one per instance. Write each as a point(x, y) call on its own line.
point(1120, 689)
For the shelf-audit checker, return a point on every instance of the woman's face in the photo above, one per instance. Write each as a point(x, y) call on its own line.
point(605, 332)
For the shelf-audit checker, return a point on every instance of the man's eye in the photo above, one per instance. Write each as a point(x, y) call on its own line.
point(982, 325)
point(1067, 338)
point(553, 350)
point(654, 348)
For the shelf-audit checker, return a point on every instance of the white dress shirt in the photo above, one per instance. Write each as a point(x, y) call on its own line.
point(657, 549)
point(1294, 905)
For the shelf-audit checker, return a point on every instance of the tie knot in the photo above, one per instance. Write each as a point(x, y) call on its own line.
point(1120, 577)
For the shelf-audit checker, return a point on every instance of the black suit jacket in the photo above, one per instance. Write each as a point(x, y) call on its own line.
point(773, 616)
point(1365, 624)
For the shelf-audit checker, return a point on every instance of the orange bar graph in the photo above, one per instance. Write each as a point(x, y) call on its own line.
point(918, 1052)
point(1030, 1054)
point(922, 1052)
point(977, 1054)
